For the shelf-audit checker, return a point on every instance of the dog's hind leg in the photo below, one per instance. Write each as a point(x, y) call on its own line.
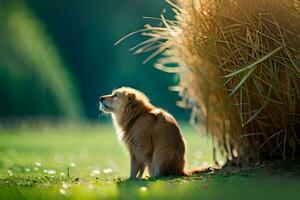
point(155, 167)
point(155, 171)
point(141, 170)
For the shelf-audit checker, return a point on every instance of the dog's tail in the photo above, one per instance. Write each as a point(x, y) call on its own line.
point(199, 170)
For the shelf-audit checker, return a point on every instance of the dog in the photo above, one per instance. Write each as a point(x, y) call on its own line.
point(151, 134)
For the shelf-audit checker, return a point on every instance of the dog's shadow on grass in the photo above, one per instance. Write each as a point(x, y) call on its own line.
point(148, 180)
point(138, 188)
point(169, 179)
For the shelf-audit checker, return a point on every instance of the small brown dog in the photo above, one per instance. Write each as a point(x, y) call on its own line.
point(152, 135)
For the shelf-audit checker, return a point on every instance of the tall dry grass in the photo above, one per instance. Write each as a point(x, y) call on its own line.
point(239, 68)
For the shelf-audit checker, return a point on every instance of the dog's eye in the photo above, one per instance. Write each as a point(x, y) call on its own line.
point(117, 94)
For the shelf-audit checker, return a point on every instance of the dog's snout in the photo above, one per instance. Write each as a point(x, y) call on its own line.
point(101, 99)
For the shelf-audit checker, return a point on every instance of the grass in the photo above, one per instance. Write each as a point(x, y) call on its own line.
point(87, 162)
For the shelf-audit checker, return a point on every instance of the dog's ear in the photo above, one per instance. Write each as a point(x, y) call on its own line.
point(133, 104)
point(131, 101)
point(131, 97)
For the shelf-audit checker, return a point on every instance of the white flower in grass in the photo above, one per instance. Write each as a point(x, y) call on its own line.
point(72, 164)
point(10, 173)
point(38, 164)
point(51, 171)
point(62, 174)
point(62, 191)
point(27, 170)
point(95, 172)
point(45, 171)
point(143, 189)
point(107, 170)
point(65, 186)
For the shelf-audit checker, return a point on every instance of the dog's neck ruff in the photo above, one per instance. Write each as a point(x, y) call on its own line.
point(131, 122)
point(124, 127)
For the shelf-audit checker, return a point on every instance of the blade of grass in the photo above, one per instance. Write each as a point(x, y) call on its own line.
point(245, 77)
point(254, 63)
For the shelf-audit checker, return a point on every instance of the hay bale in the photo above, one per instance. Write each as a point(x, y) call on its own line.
point(239, 68)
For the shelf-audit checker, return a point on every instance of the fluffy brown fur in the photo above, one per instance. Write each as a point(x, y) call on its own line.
point(152, 135)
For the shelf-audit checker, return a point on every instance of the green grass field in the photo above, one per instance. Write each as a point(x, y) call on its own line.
point(87, 162)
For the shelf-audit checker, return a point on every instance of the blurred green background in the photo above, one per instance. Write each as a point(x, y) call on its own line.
point(57, 57)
